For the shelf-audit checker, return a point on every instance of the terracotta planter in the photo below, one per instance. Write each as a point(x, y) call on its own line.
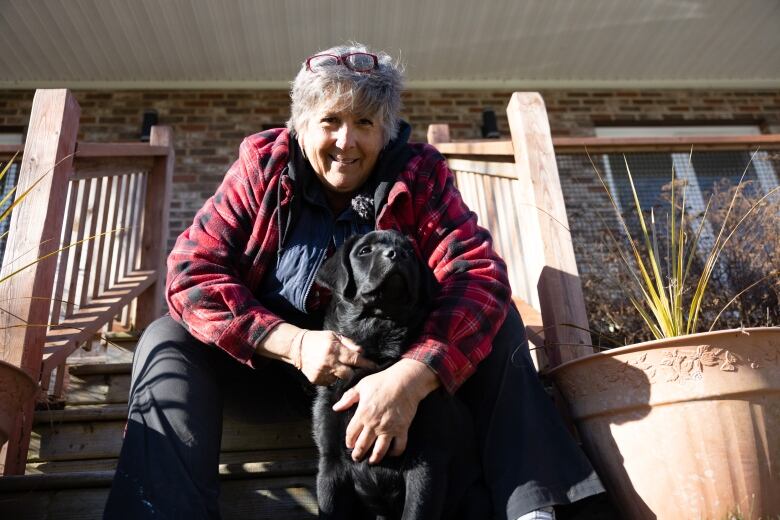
point(16, 388)
point(687, 427)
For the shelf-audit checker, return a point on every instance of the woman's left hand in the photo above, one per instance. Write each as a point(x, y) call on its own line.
point(387, 402)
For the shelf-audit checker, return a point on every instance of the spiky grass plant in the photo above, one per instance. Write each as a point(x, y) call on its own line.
point(661, 283)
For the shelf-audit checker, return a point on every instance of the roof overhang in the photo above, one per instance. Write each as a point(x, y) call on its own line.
point(463, 44)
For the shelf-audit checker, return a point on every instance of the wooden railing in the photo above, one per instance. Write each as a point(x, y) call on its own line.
point(514, 188)
point(86, 246)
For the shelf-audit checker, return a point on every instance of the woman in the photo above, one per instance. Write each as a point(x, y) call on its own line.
point(241, 279)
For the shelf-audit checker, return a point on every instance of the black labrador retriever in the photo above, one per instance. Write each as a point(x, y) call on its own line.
point(381, 293)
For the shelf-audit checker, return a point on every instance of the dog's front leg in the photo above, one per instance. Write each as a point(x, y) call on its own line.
point(426, 491)
point(336, 497)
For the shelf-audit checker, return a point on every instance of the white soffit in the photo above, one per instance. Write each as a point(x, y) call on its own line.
point(445, 43)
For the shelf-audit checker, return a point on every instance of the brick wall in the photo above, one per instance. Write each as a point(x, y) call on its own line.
point(208, 126)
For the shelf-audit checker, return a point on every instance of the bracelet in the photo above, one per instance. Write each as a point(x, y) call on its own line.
point(296, 349)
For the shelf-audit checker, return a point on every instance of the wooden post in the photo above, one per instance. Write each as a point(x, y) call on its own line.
point(35, 229)
point(547, 244)
point(155, 227)
point(438, 134)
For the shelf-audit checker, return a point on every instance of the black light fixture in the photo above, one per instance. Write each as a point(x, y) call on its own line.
point(489, 124)
point(149, 120)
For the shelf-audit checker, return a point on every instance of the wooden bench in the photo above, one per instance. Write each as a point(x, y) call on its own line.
point(86, 246)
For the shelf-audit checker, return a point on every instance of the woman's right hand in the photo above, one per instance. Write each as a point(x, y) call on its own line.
point(324, 356)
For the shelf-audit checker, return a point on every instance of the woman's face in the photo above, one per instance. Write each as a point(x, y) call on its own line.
point(342, 147)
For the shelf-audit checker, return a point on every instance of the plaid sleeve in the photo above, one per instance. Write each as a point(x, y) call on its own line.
point(207, 290)
point(474, 295)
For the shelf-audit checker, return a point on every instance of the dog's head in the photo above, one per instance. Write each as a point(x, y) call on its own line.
point(380, 275)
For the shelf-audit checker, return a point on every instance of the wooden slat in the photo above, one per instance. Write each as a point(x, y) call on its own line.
point(465, 187)
point(96, 439)
point(119, 150)
point(284, 498)
point(84, 188)
point(37, 223)
point(87, 320)
point(664, 144)
point(288, 499)
point(517, 271)
point(106, 278)
point(99, 265)
point(100, 369)
point(81, 414)
point(90, 246)
point(232, 465)
point(92, 168)
point(97, 388)
point(59, 381)
point(501, 227)
point(486, 147)
point(120, 236)
point(482, 198)
point(134, 240)
point(125, 241)
point(491, 210)
point(495, 169)
point(614, 144)
point(532, 319)
point(135, 257)
point(546, 237)
point(127, 224)
point(62, 258)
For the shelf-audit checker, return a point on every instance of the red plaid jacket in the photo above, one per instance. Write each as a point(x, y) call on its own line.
point(217, 264)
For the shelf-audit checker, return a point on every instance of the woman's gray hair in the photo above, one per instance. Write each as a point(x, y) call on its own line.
point(376, 93)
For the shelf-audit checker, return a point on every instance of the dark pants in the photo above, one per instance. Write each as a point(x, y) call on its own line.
point(170, 456)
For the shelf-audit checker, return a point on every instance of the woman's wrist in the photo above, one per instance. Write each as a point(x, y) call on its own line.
point(285, 343)
point(417, 377)
point(296, 349)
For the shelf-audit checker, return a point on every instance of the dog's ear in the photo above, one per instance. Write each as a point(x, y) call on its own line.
point(335, 273)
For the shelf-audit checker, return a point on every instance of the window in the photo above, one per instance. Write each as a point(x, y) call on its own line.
point(701, 171)
point(13, 140)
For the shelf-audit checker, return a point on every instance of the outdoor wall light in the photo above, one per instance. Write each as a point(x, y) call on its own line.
point(149, 120)
point(489, 124)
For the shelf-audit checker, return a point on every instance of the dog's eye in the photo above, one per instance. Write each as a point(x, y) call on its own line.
point(364, 250)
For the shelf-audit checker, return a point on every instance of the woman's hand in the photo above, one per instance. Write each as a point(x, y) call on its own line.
point(323, 356)
point(387, 402)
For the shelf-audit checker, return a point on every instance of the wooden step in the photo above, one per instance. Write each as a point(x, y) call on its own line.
point(283, 498)
point(92, 369)
point(260, 484)
point(104, 352)
point(95, 432)
point(267, 466)
point(239, 464)
point(98, 383)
